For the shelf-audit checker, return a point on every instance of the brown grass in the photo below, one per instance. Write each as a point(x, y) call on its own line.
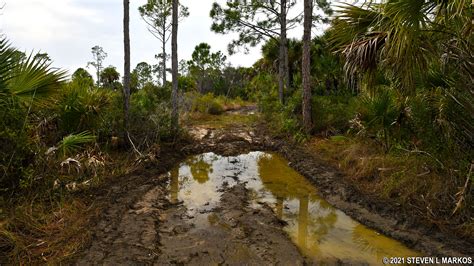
point(38, 233)
point(410, 180)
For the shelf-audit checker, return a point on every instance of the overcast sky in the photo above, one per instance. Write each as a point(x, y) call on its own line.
point(68, 29)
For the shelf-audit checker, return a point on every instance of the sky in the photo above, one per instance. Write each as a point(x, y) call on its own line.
point(68, 29)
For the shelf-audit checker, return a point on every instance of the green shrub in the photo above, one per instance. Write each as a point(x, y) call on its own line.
point(206, 103)
point(72, 143)
point(284, 118)
point(150, 117)
point(26, 86)
point(332, 113)
point(81, 108)
point(215, 108)
point(17, 148)
point(438, 121)
point(379, 115)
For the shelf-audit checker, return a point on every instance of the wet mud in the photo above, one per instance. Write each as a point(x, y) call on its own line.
point(146, 218)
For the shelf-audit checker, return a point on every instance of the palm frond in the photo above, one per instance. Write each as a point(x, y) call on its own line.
point(34, 78)
point(74, 142)
point(6, 64)
point(386, 35)
point(351, 23)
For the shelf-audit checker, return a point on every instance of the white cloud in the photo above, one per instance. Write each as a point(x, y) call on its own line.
point(41, 21)
point(67, 29)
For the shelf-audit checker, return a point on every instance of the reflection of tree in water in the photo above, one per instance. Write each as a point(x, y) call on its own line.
point(303, 222)
point(282, 181)
point(200, 169)
point(320, 225)
point(286, 184)
point(380, 246)
point(364, 238)
point(279, 207)
point(174, 185)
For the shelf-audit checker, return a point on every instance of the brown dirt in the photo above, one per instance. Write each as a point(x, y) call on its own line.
point(238, 234)
point(139, 225)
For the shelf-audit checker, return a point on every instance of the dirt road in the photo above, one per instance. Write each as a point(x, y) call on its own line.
point(140, 223)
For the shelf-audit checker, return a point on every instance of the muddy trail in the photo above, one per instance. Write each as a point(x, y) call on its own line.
point(229, 196)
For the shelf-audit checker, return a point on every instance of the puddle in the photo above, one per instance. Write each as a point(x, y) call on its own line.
point(321, 231)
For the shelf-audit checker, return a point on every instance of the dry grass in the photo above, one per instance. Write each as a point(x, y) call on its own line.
point(408, 179)
point(36, 233)
point(50, 226)
point(219, 121)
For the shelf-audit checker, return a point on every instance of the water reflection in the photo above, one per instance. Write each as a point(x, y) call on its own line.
point(279, 207)
point(200, 169)
point(174, 185)
point(321, 231)
point(303, 222)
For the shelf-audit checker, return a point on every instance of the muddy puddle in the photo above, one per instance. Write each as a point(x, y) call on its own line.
point(321, 232)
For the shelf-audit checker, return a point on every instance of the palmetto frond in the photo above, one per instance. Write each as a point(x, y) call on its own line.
point(74, 142)
point(389, 35)
point(362, 55)
point(27, 79)
point(34, 78)
point(351, 23)
point(6, 64)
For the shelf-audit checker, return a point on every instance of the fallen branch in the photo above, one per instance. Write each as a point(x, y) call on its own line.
point(133, 145)
point(462, 193)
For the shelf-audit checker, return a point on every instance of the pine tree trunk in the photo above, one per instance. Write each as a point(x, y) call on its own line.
point(174, 66)
point(164, 53)
point(126, 78)
point(306, 65)
point(282, 57)
point(287, 66)
point(98, 77)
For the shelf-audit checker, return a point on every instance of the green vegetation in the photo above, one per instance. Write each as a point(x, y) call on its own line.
point(393, 77)
point(389, 87)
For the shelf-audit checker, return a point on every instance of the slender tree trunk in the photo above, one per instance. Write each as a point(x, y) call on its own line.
point(287, 66)
point(98, 76)
point(164, 53)
point(306, 65)
point(281, 75)
point(126, 78)
point(174, 66)
point(282, 56)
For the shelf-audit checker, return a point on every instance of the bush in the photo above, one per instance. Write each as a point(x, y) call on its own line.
point(379, 115)
point(284, 119)
point(17, 148)
point(215, 108)
point(81, 108)
point(332, 114)
point(150, 117)
point(206, 103)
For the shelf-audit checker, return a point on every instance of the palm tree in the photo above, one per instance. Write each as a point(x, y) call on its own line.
point(416, 48)
point(398, 37)
point(24, 84)
point(306, 64)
